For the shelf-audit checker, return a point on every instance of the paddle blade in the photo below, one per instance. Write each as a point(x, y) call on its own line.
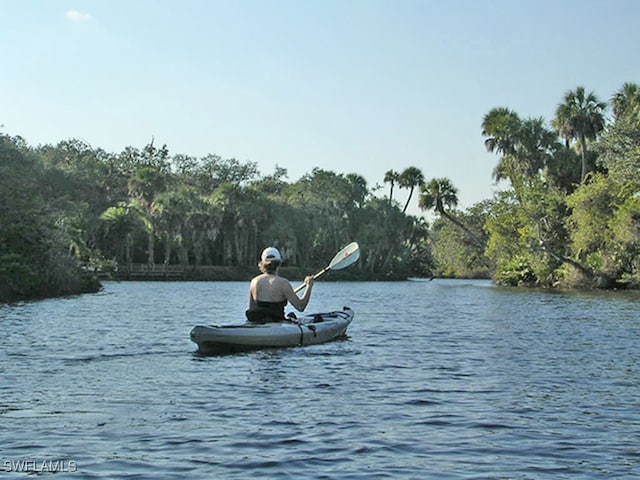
point(345, 257)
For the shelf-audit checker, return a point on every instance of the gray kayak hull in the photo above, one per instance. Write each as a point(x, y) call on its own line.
point(308, 330)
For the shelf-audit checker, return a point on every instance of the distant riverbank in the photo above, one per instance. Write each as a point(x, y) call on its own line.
point(147, 272)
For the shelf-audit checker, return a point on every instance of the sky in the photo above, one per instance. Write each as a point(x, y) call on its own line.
point(351, 86)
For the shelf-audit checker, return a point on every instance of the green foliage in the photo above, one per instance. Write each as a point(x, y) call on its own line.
point(605, 214)
point(410, 178)
point(592, 206)
point(517, 271)
point(67, 207)
point(507, 231)
point(438, 194)
point(453, 255)
point(580, 117)
point(625, 227)
point(223, 213)
point(526, 230)
point(386, 234)
point(626, 102)
point(40, 238)
point(606, 228)
point(619, 149)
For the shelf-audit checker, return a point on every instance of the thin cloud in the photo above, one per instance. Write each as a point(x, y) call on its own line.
point(76, 16)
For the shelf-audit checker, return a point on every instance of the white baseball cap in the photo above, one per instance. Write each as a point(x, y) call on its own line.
point(271, 254)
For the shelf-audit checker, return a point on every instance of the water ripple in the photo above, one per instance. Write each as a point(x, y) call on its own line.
point(442, 379)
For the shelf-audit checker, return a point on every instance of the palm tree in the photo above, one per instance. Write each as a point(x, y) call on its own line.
point(144, 186)
point(172, 209)
point(391, 177)
point(410, 178)
point(203, 225)
point(535, 144)
point(121, 222)
point(357, 195)
point(438, 194)
point(580, 117)
point(500, 126)
point(626, 100)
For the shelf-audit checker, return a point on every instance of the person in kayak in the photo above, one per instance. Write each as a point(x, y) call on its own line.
point(269, 292)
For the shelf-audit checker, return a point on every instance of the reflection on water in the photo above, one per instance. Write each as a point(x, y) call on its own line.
point(441, 379)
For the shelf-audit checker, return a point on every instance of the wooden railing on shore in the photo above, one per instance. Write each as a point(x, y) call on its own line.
point(141, 271)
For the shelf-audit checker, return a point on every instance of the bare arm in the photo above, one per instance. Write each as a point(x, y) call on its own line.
point(252, 295)
point(299, 303)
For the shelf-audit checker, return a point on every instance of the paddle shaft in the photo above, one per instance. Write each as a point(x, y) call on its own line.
point(320, 273)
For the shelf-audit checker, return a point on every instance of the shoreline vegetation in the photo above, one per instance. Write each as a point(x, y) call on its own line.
point(567, 214)
point(143, 272)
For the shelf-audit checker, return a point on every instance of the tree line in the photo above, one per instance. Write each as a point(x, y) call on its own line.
point(569, 214)
point(70, 210)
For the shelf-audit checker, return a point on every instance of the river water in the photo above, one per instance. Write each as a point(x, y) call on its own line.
point(445, 379)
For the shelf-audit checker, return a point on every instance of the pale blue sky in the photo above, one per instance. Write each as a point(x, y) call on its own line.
point(353, 86)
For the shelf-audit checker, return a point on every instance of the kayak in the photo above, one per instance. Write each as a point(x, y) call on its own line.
point(311, 329)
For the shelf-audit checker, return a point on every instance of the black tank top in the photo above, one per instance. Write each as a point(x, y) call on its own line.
point(267, 312)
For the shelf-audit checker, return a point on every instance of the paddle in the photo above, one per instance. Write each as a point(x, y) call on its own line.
point(345, 257)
